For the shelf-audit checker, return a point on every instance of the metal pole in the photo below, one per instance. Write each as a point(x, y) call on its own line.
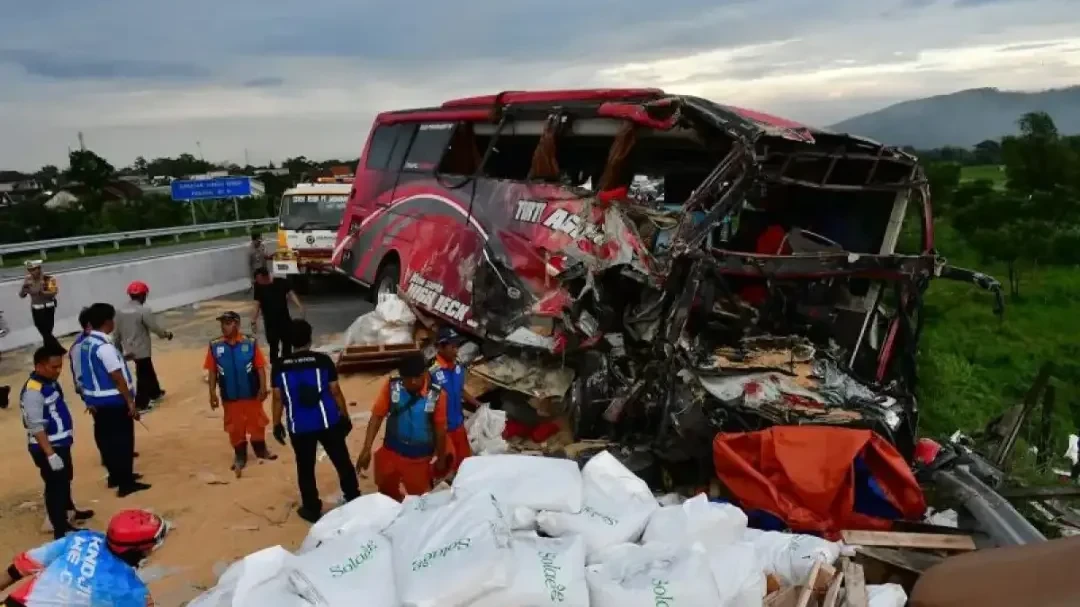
point(236, 208)
point(194, 221)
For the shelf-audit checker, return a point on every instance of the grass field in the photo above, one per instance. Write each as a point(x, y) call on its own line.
point(988, 172)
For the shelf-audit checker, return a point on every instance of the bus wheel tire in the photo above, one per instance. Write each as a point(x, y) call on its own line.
point(386, 281)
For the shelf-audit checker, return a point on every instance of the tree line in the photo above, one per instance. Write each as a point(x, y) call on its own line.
point(105, 204)
point(1033, 217)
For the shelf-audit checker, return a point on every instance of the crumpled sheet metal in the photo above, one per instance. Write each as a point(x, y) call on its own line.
point(520, 376)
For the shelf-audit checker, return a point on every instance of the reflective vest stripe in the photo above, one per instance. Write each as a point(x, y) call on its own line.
point(322, 405)
point(288, 401)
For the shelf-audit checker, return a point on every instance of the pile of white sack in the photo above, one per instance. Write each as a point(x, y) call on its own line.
point(526, 531)
point(389, 324)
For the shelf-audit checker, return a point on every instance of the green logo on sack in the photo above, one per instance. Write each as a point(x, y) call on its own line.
point(355, 561)
point(661, 597)
point(557, 591)
point(609, 521)
point(460, 545)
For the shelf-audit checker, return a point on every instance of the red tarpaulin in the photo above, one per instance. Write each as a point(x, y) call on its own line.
point(805, 475)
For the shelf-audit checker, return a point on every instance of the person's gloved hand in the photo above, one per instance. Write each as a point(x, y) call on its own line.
point(279, 433)
point(345, 424)
point(56, 462)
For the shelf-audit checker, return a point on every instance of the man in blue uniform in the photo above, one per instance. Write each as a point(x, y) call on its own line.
point(50, 435)
point(449, 374)
point(88, 568)
point(106, 390)
point(307, 393)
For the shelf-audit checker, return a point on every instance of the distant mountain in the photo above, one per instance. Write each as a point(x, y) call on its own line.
point(964, 118)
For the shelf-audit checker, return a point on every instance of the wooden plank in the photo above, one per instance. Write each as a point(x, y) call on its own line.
point(832, 594)
point(785, 597)
point(854, 585)
point(897, 539)
point(906, 560)
point(808, 589)
point(824, 577)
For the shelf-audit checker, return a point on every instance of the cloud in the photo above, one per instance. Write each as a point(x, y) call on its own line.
point(287, 78)
point(264, 82)
point(60, 67)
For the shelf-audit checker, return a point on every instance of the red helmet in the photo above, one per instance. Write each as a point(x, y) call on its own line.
point(138, 287)
point(135, 531)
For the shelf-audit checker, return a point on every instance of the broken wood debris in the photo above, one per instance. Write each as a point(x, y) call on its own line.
point(931, 541)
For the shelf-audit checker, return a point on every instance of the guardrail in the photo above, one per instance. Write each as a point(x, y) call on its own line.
point(43, 246)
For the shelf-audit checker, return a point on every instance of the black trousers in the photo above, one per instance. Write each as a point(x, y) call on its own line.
point(44, 321)
point(333, 441)
point(277, 338)
point(114, 433)
point(57, 488)
point(146, 382)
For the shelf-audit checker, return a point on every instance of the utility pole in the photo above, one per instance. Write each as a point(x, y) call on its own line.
point(82, 142)
point(246, 162)
point(198, 144)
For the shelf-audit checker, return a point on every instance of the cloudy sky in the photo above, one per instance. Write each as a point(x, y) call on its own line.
point(282, 78)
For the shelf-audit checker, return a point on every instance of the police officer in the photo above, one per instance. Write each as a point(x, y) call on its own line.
point(237, 381)
point(307, 392)
point(42, 290)
point(415, 414)
point(50, 435)
point(449, 374)
point(106, 390)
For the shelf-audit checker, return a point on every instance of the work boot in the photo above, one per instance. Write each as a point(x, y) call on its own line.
point(311, 513)
point(240, 458)
point(79, 516)
point(113, 484)
point(134, 487)
point(261, 452)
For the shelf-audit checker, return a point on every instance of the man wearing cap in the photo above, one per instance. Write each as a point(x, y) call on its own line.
point(415, 414)
point(134, 324)
point(307, 393)
point(257, 256)
point(449, 375)
point(237, 370)
point(42, 290)
point(106, 390)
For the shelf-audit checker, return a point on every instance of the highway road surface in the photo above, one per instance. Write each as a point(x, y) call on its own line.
point(12, 270)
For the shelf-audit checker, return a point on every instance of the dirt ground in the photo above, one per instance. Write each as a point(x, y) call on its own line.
point(185, 455)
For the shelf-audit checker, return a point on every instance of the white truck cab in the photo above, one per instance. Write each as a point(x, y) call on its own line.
point(307, 227)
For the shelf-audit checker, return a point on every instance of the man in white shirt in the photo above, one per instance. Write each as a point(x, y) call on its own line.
point(106, 389)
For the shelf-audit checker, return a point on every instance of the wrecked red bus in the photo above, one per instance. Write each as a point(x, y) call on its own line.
point(707, 237)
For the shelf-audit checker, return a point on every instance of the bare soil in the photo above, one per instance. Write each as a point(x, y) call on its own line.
point(185, 455)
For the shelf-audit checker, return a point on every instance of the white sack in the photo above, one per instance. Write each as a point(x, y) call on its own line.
point(539, 483)
point(697, 520)
point(547, 571)
point(650, 576)
point(739, 578)
point(243, 579)
point(886, 595)
point(791, 556)
point(416, 510)
point(485, 429)
point(373, 511)
point(617, 506)
point(390, 323)
point(332, 574)
point(452, 555)
point(394, 311)
point(1073, 451)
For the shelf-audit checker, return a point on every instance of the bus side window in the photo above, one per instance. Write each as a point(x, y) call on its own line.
point(428, 147)
point(382, 146)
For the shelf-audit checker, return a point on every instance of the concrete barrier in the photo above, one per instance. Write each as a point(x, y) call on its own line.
point(176, 280)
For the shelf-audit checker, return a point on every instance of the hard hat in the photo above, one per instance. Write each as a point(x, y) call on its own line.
point(447, 335)
point(33, 263)
point(138, 287)
point(135, 531)
point(926, 451)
